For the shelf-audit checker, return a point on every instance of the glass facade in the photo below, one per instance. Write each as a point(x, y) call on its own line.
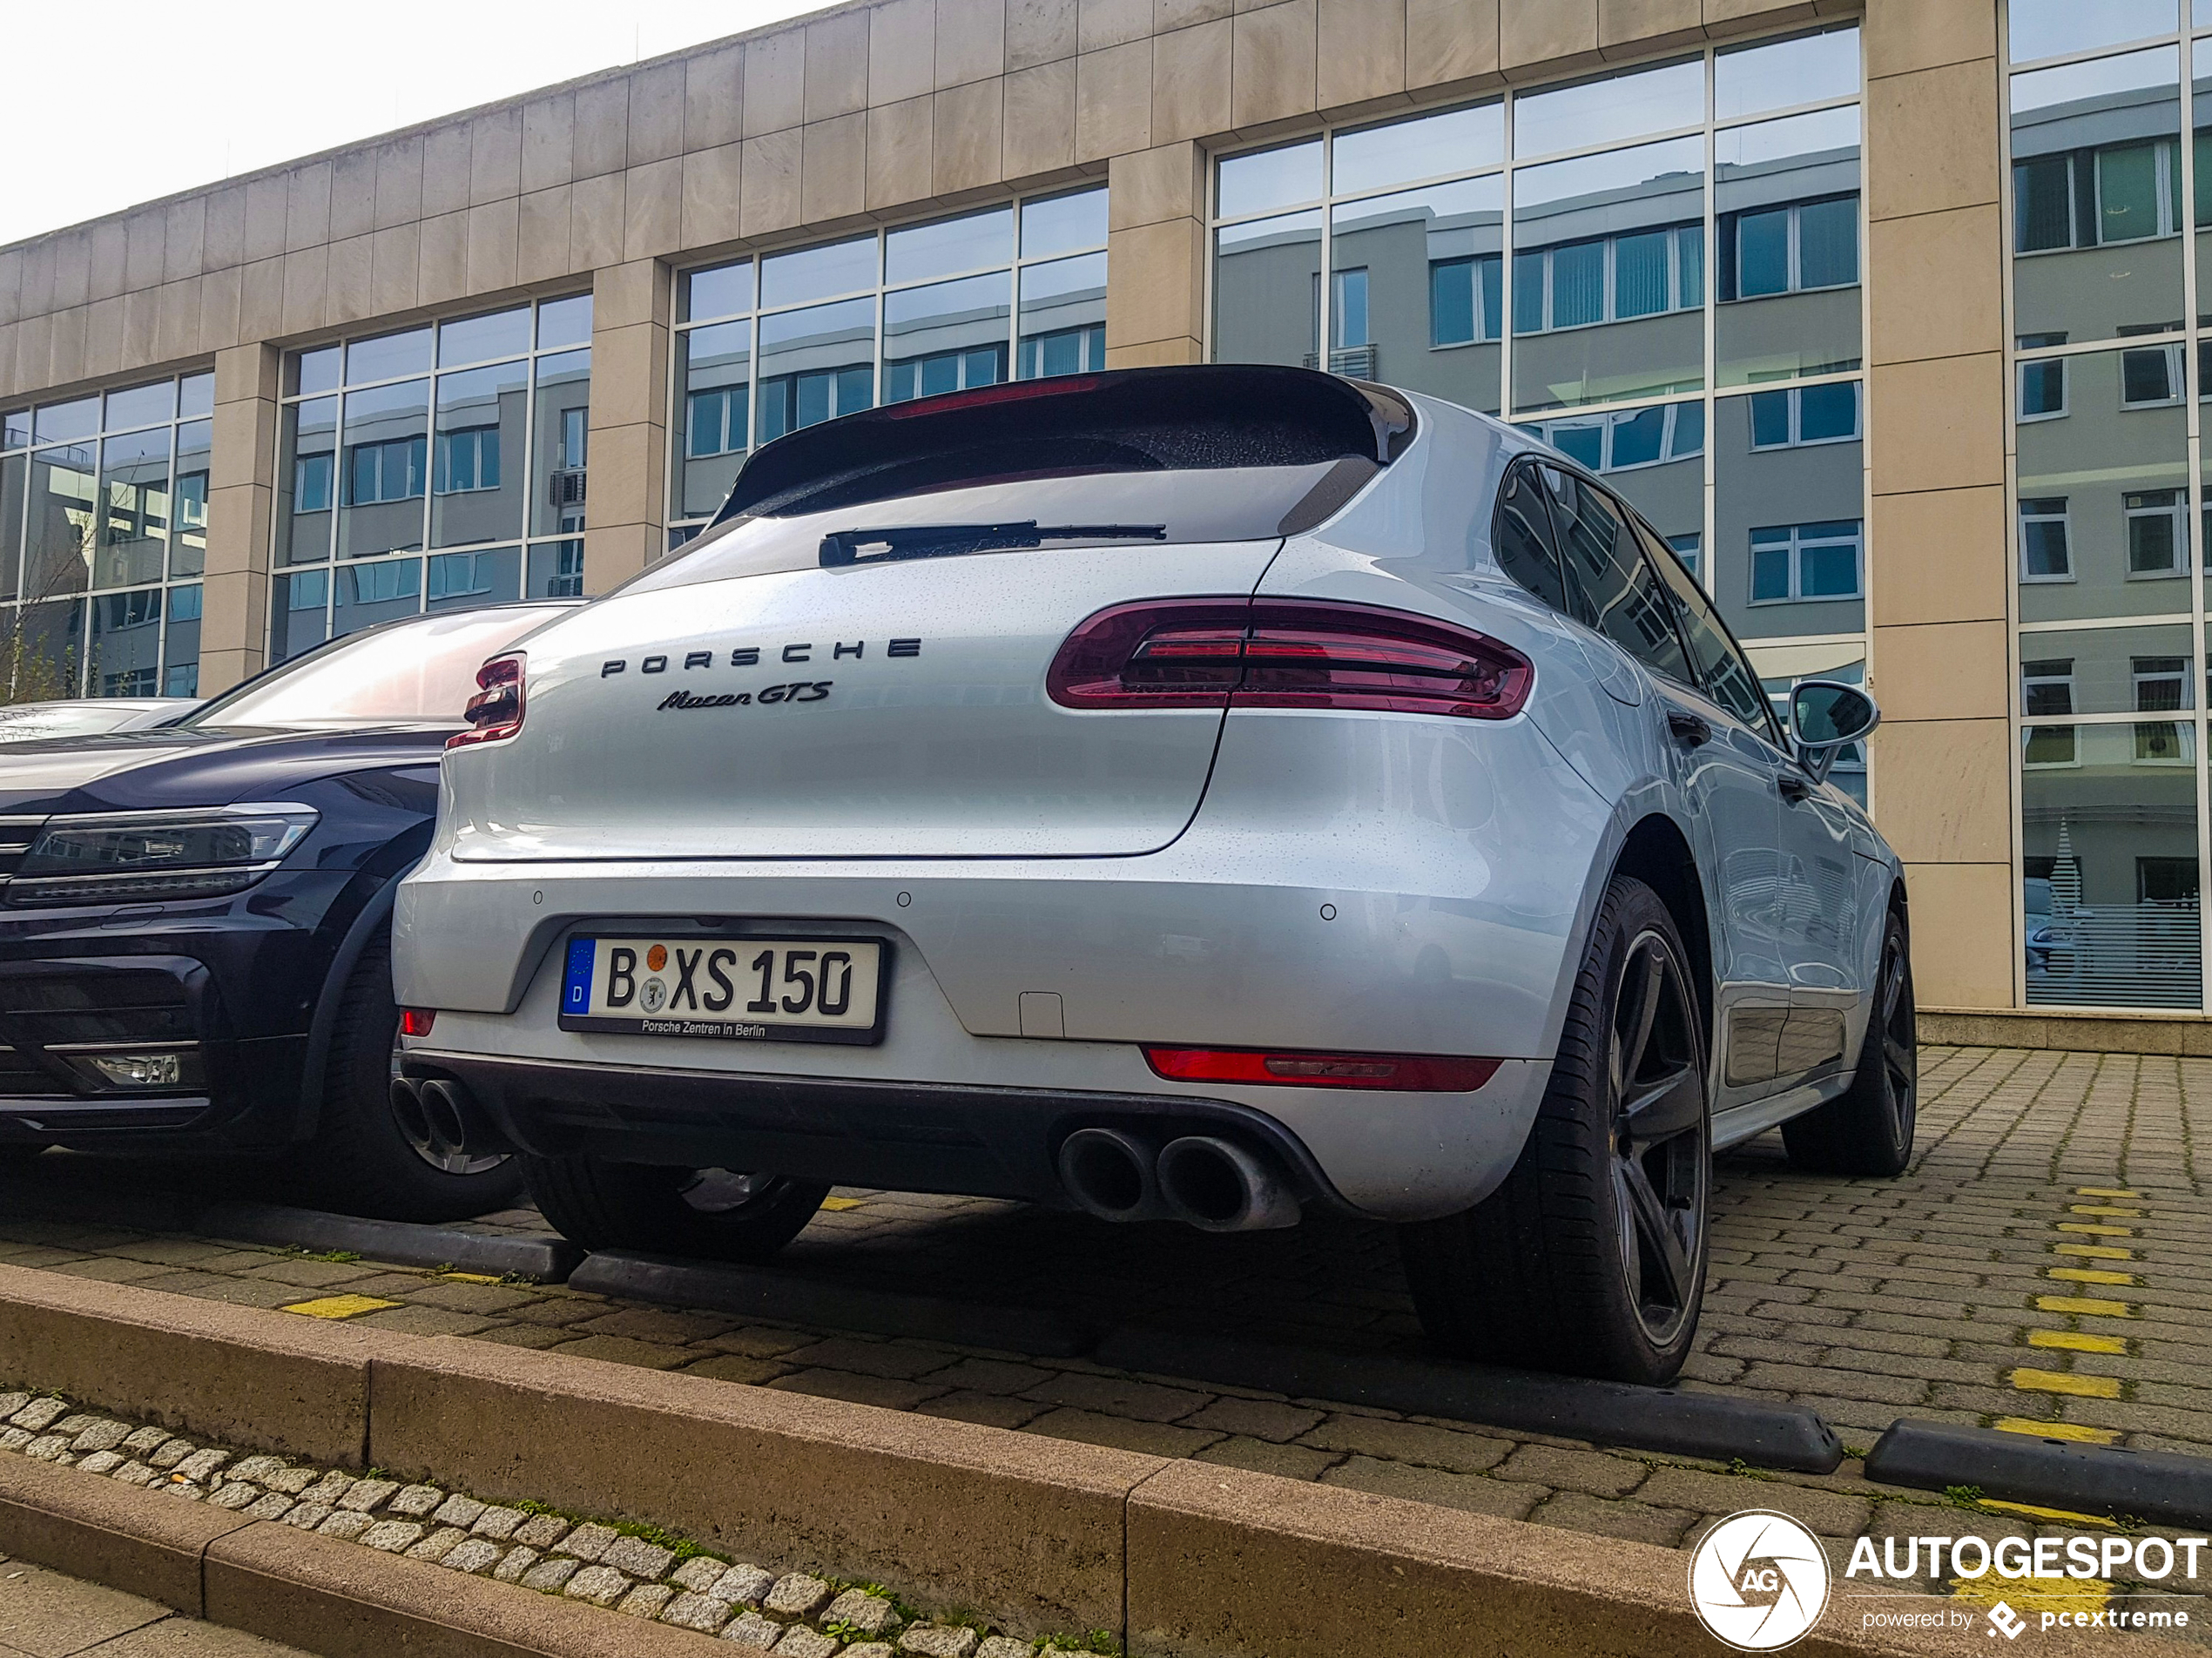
point(1657, 270)
point(2107, 212)
point(762, 347)
point(103, 540)
point(433, 468)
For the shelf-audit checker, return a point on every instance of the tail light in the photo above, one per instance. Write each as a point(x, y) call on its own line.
point(496, 709)
point(1425, 1073)
point(1286, 653)
point(417, 1022)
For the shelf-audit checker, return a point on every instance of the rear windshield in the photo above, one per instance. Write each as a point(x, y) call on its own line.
point(414, 673)
point(1206, 453)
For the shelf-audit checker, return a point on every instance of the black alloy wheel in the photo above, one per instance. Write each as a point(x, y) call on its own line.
point(1662, 1158)
point(1590, 1256)
point(1867, 1131)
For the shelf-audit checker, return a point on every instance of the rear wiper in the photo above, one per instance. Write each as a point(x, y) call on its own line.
point(842, 547)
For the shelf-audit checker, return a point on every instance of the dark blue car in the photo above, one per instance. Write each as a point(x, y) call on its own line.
point(195, 922)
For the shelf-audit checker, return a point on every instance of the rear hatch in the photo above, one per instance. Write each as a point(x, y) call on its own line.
point(854, 661)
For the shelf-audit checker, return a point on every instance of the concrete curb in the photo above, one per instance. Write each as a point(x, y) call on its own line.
point(1192, 1560)
point(1571, 1407)
point(549, 1260)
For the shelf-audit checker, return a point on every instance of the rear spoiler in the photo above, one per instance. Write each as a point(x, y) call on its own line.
point(1134, 420)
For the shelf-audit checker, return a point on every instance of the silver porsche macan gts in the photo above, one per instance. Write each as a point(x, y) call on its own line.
point(1212, 795)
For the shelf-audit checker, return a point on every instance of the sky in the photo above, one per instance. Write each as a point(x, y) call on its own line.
point(132, 100)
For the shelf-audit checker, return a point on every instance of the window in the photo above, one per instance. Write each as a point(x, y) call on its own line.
point(2150, 375)
point(1690, 549)
point(1635, 438)
point(2166, 880)
point(467, 459)
point(2042, 392)
point(768, 346)
point(2154, 533)
point(1610, 279)
point(1721, 667)
point(2046, 687)
point(1350, 299)
point(2122, 192)
point(1610, 586)
point(1464, 302)
point(715, 421)
point(459, 441)
point(1792, 562)
point(1805, 414)
point(2049, 745)
point(387, 471)
point(311, 484)
point(1521, 538)
point(2044, 555)
point(1790, 249)
point(2162, 683)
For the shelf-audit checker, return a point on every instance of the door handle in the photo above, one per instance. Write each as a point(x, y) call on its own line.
point(1691, 730)
point(1793, 787)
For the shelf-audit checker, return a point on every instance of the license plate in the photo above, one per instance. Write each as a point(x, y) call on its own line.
point(747, 990)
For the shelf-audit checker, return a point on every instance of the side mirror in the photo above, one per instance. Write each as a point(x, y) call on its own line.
point(1826, 716)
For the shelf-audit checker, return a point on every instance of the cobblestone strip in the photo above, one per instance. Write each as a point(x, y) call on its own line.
point(631, 1570)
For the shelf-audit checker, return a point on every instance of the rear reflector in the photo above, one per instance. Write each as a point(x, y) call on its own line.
point(1286, 653)
point(416, 1022)
point(1424, 1073)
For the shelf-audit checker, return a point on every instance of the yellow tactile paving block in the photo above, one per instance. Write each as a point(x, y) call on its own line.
point(2074, 1341)
point(2056, 1381)
point(2107, 1210)
point(2085, 1306)
point(470, 1278)
point(340, 1306)
point(2103, 1191)
point(2087, 1230)
point(2094, 1251)
point(2088, 1275)
point(837, 1205)
point(2072, 1430)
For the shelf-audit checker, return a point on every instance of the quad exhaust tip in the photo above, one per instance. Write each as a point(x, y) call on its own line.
point(1202, 1180)
point(444, 1115)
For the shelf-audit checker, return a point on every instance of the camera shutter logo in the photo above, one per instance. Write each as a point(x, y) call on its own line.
point(1759, 1580)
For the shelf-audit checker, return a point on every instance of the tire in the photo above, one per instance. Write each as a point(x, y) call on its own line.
point(1868, 1129)
point(712, 1214)
point(363, 1160)
point(1590, 1258)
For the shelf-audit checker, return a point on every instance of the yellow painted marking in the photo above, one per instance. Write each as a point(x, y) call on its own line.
point(2056, 1430)
point(2104, 1191)
point(2087, 1306)
point(836, 1205)
point(2065, 1516)
point(2096, 1231)
point(2107, 1210)
point(2089, 1275)
point(2030, 1595)
point(2052, 1381)
point(340, 1306)
point(2073, 1342)
point(470, 1278)
point(2094, 1251)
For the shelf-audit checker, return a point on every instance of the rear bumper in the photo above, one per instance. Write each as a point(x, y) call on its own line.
point(903, 1136)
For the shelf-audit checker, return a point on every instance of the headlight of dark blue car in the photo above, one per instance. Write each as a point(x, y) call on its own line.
point(208, 852)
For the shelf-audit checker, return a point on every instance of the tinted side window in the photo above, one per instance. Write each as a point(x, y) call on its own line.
point(1521, 537)
point(1609, 586)
point(1729, 679)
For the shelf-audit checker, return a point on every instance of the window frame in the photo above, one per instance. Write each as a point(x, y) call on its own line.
point(1798, 546)
point(2063, 518)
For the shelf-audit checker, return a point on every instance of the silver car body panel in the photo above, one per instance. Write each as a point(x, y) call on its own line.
point(1320, 879)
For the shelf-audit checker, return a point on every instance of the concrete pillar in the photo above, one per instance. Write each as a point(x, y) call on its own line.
point(234, 602)
point(627, 513)
point(1939, 576)
point(1155, 207)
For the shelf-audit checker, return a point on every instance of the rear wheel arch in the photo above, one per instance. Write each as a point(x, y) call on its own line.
point(1657, 853)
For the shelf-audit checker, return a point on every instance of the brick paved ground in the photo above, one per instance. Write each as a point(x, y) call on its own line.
point(1954, 1293)
point(43, 1614)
